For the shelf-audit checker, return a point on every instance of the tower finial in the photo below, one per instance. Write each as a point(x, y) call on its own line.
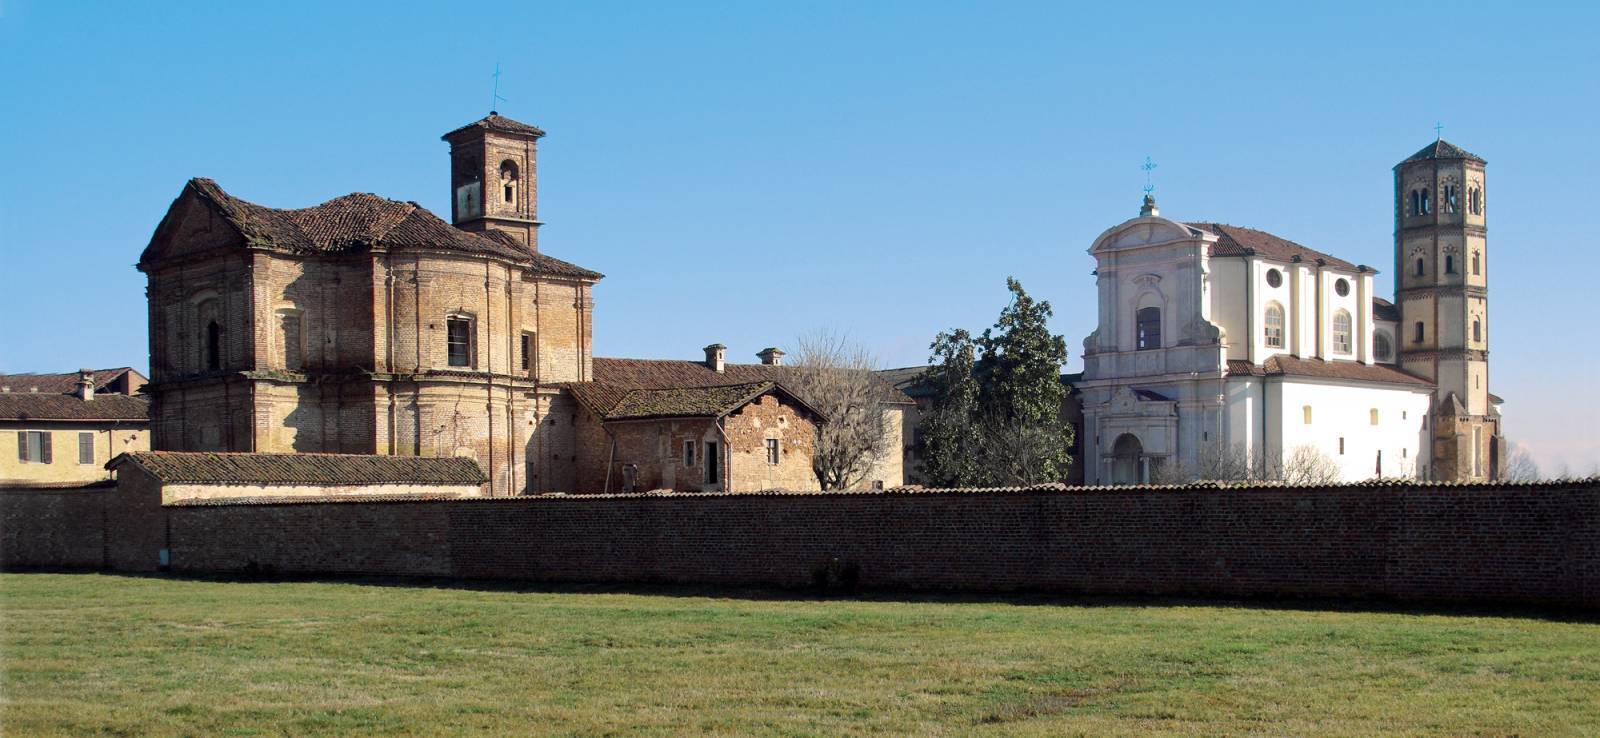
point(1149, 207)
point(1438, 131)
point(495, 98)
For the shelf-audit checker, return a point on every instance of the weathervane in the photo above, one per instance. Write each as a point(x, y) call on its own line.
point(496, 99)
point(1148, 167)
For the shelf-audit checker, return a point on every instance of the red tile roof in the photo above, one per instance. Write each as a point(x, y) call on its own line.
point(361, 222)
point(26, 406)
point(1442, 149)
point(1239, 241)
point(60, 384)
point(261, 468)
point(497, 122)
point(667, 373)
point(1284, 365)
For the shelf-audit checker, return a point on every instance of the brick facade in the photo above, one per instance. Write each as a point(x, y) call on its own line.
point(1481, 543)
point(328, 330)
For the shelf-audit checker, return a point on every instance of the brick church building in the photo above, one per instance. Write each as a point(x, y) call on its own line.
point(369, 326)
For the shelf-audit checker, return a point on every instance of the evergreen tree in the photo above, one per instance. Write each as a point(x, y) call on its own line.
point(996, 418)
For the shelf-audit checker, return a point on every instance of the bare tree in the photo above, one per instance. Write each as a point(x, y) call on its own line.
point(1307, 465)
point(1519, 464)
point(1214, 462)
point(835, 375)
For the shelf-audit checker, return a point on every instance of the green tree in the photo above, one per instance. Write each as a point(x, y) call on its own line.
point(996, 419)
point(952, 441)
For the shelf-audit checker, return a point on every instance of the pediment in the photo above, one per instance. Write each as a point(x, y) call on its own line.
point(1145, 231)
point(192, 225)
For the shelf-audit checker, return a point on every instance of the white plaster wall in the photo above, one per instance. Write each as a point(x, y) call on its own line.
point(1344, 411)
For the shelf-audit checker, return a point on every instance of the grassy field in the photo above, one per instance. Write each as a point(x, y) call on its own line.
point(92, 654)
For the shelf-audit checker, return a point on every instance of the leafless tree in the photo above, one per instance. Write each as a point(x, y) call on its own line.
point(1214, 462)
point(1519, 464)
point(835, 375)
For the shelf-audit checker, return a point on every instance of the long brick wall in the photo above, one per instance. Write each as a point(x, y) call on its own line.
point(1508, 544)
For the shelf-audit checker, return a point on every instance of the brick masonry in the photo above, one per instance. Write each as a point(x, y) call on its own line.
point(1503, 544)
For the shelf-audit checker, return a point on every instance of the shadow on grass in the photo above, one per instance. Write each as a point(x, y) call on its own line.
point(1549, 613)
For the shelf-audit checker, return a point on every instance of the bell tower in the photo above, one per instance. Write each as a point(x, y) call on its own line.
point(493, 176)
point(1442, 289)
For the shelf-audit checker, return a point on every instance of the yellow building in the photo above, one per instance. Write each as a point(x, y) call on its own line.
point(60, 429)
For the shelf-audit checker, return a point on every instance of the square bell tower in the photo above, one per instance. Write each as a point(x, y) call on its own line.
point(493, 178)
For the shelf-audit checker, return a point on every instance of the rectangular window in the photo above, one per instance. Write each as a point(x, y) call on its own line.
point(1477, 457)
point(688, 453)
point(713, 464)
point(772, 450)
point(1341, 445)
point(34, 447)
point(527, 351)
point(85, 448)
point(458, 340)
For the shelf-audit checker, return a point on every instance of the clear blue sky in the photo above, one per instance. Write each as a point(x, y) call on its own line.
point(746, 172)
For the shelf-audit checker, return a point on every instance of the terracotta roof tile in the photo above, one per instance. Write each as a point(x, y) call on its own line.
point(1350, 370)
point(497, 122)
point(1384, 310)
point(263, 468)
point(667, 373)
point(24, 406)
point(1239, 241)
point(1442, 149)
point(687, 401)
point(360, 222)
point(59, 384)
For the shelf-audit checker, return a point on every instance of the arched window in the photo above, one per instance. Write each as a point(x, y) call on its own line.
point(1450, 198)
point(1449, 263)
point(1477, 330)
point(508, 180)
point(1274, 325)
point(1381, 348)
point(1476, 268)
point(1341, 332)
point(1420, 270)
point(1148, 327)
point(208, 324)
point(1419, 332)
point(1427, 203)
point(1475, 200)
point(1416, 203)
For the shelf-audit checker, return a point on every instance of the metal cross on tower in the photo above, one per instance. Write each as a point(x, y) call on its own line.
point(1148, 167)
point(1438, 131)
point(496, 98)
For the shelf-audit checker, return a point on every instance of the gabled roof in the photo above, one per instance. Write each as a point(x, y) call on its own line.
point(284, 469)
point(60, 384)
point(665, 373)
point(1239, 241)
point(24, 406)
point(613, 403)
point(1442, 149)
point(497, 122)
point(354, 223)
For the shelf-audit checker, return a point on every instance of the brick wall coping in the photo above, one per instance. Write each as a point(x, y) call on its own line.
point(25, 486)
point(1043, 489)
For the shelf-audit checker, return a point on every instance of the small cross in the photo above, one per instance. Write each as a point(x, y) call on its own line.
point(496, 98)
point(1438, 131)
point(1148, 167)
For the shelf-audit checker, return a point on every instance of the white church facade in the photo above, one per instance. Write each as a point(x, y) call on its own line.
point(1221, 341)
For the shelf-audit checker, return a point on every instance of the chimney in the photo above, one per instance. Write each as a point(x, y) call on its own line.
point(771, 356)
point(714, 355)
point(85, 389)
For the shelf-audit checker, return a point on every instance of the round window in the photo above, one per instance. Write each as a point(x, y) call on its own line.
point(1274, 278)
point(1342, 287)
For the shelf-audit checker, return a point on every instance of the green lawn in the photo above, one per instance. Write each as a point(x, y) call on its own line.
point(91, 654)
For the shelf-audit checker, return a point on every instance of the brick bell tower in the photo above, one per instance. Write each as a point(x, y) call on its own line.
point(1442, 288)
point(493, 177)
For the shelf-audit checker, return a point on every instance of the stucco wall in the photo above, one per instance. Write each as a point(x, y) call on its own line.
point(64, 466)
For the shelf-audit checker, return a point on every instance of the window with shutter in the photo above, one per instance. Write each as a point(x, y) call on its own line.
point(45, 455)
point(85, 448)
point(22, 447)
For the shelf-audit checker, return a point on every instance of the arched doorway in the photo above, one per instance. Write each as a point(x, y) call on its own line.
point(1127, 464)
